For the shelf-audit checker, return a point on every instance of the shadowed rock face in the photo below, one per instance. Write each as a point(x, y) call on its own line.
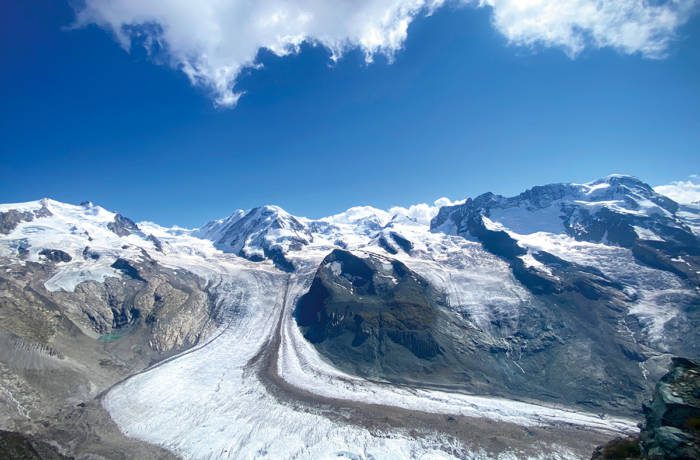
point(127, 269)
point(374, 305)
point(10, 219)
point(373, 316)
point(17, 446)
point(403, 243)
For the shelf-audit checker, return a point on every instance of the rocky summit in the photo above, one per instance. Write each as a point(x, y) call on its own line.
point(532, 326)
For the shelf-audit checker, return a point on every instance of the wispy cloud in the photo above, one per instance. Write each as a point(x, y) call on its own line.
point(682, 191)
point(629, 26)
point(212, 41)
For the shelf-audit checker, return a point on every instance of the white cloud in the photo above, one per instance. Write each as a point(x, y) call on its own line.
point(682, 191)
point(423, 212)
point(212, 41)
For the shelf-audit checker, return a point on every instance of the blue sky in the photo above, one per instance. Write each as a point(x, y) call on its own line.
point(460, 111)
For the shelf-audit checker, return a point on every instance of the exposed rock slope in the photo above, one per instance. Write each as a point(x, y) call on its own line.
point(76, 320)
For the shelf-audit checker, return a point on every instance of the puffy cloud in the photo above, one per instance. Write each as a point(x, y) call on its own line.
point(682, 191)
point(212, 41)
point(423, 212)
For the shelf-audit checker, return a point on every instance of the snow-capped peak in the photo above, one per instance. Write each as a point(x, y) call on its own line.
point(263, 231)
point(84, 239)
point(86, 213)
point(568, 208)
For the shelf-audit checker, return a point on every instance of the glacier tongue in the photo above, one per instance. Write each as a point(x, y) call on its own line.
point(208, 402)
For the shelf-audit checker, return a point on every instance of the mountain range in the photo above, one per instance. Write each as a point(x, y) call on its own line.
point(526, 326)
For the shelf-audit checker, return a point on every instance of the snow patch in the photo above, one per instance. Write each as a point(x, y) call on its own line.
point(646, 234)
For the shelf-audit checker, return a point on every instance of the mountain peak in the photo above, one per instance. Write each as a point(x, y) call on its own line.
point(618, 180)
point(270, 209)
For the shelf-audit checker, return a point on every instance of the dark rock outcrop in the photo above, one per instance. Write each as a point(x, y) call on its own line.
point(403, 243)
point(56, 255)
point(384, 244)
point(90, 254)
point(10, 219)
point(123, 226)
point(671, 429)
point(18, 446)
point(373, 314)
point(129, 270)
point(618, 449)
point(672, 426)
point(156, 242)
